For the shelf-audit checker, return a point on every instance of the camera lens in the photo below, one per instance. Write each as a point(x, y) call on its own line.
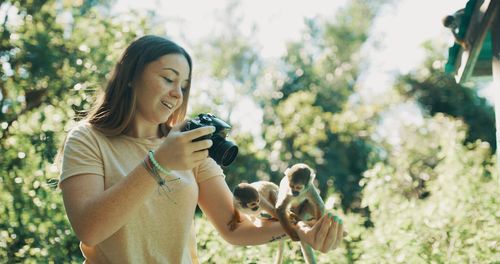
point(223, 152)
point(229, 155)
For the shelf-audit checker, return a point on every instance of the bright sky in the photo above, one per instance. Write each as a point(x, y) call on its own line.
point(278, 21)
point(394, 46)
point(400, 31)
point(402, 27)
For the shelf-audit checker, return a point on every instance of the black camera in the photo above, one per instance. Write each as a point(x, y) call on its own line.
point(222, 151)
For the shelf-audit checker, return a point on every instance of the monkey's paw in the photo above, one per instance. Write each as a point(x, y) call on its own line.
point(294, 219)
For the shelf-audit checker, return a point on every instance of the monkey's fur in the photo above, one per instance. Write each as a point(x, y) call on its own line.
point(298, 200)
point(255, 200)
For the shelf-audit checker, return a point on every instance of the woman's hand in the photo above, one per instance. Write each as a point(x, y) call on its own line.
point(179, 152)
point(324, 235)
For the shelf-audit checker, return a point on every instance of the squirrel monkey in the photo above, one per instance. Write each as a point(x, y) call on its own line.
point(298, 197)
point(298, 200)
point(257, 201)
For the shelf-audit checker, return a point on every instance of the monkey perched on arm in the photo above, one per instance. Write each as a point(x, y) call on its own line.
point(256, 200)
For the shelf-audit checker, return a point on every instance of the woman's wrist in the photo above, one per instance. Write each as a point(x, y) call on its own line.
point(151, 169)
point(156, 164)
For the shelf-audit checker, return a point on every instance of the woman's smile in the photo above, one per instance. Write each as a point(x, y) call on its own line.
point(168, 105)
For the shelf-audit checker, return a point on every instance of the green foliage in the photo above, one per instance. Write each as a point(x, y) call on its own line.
point(249, 156)
point(437, 92)
point(431, 198)
point(230, 64)
point(56, 66)
point(301, 121)
point(444, 196)
point(304, 130)
point(440, 93)
point(213, 249)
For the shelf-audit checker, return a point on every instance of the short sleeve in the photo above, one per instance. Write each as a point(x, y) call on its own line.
point(81, 154)
point(207, 170)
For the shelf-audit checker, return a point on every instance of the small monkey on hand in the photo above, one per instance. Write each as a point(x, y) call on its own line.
point(298, 198)
point(300, 204)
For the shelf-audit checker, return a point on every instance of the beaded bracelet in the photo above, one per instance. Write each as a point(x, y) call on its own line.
point(156, 164)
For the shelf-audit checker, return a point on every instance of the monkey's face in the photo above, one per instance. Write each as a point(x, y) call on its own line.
point(296, 188)
point(299, 176)
point(247, 199)
point(249, 207)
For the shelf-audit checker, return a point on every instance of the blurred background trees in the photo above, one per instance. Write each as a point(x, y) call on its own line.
point(427, 192)
point(310, 119)
point(55, 55)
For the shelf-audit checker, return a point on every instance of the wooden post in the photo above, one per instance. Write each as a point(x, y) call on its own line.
point(495, 33)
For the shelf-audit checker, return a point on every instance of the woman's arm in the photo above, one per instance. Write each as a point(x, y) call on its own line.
point(94, 213)
point(215, 199)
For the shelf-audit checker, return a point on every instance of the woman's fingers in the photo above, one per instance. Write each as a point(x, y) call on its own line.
point(322, 229)
point(339, 236)
point(200, 155)
point(201, 145)
point(198, 132)
point(325, 235)
point(331, 236)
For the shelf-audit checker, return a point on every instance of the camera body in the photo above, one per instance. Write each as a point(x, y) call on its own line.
point(222, 151)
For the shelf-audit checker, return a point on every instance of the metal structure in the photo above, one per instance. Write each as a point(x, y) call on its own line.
point(478, 53)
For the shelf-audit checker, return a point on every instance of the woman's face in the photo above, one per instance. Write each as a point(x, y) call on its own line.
point(160, 88)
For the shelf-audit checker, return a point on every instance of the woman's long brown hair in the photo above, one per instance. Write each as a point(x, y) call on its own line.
point(115, 108)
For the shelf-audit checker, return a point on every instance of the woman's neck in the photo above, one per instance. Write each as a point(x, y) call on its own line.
point(147, 132)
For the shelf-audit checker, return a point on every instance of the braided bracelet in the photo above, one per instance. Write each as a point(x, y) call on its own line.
point(152, 171)
point(162, 183)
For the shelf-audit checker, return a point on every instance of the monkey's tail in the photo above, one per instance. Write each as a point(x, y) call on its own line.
point(308, 253)
point(281, 247)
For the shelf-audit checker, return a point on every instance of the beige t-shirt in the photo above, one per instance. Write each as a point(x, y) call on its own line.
point(162, 230)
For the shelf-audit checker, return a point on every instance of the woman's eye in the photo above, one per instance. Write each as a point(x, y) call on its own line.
point(168, 80)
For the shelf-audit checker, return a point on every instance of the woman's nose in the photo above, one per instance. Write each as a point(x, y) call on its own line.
point(176, 91)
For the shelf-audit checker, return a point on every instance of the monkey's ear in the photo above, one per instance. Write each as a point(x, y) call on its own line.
point(236, 189)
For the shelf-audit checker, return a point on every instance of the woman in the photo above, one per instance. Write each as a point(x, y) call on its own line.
point(131, 179)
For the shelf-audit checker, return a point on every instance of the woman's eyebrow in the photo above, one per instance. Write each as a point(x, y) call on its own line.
point(175, 71)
